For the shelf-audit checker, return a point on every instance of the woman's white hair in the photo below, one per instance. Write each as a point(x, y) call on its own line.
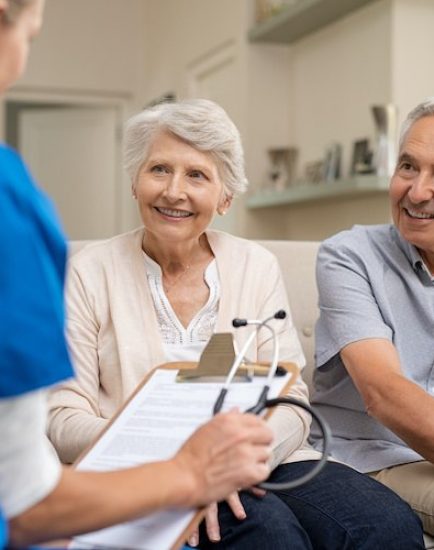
point(199, 122)
point(426, 108)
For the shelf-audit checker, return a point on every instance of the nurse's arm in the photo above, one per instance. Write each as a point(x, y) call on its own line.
point(229, 452)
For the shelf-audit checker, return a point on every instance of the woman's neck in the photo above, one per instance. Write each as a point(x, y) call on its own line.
point(179, 256)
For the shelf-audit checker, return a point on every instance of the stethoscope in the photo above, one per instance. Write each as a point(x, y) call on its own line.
point(265, 403)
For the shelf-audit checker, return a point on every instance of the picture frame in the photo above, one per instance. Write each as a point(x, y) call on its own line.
point(361, 162)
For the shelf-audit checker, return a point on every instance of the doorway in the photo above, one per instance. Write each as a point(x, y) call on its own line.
point(73, 151)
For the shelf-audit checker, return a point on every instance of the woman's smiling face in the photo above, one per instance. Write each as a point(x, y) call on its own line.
point(178, 189)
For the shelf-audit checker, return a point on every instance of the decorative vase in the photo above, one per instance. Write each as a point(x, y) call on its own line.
point(386, 117)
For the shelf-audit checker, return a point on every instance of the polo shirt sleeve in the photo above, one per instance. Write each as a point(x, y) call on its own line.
point(349, 311)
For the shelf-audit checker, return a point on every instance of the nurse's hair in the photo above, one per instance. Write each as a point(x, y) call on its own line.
point(199, 122)
point(14, 9)
point(426, 108)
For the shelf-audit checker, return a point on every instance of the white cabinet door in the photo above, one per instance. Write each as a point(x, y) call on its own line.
point(74, 155)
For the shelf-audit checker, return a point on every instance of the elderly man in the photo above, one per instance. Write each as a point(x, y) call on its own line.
point(374, 381)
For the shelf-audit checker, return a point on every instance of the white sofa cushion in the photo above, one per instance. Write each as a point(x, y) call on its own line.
point(297, 262)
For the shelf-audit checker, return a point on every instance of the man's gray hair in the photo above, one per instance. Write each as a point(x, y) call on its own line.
point(14, 9)
point(426, 108)
point(199, 122)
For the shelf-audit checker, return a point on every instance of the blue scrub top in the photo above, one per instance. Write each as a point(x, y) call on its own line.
point(3, 531)
point(33, 352)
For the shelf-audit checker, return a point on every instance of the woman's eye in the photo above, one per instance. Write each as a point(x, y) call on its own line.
point(159, 169)
point(197, 174)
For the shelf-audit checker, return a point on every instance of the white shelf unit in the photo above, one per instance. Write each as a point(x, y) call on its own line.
point(301, 18)
point(309, 192)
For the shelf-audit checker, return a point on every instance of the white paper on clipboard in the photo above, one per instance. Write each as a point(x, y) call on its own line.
point(151, 427)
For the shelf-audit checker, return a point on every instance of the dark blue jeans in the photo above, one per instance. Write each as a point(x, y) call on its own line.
point(340, 509)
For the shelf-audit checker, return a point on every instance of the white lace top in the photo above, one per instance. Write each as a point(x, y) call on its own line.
point(180, 343)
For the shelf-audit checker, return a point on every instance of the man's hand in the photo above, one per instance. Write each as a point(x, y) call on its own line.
point(228, 453)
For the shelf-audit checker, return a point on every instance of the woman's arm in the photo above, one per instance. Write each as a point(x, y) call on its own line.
point(74, 419)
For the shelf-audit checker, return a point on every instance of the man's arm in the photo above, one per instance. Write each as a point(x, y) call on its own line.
point(229, 452)
point(389, 396)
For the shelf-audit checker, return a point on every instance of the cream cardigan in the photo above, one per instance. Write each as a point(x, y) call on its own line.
point(114, 336)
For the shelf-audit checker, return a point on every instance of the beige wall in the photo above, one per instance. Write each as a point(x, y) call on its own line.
point(90, 52)
point(308, 94)
point(337, 74)
point(181, 34)
point(90, 46)
point(412, 53)
point(332, 77)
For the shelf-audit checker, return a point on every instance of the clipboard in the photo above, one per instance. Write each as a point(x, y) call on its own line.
point(159, 380)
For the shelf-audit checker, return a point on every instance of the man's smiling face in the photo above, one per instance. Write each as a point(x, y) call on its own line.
point(412, 188)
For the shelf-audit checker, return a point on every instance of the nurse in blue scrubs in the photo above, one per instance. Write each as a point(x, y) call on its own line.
point(40, 499)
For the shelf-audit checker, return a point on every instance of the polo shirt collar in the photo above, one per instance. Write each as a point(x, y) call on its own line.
point(413, 255)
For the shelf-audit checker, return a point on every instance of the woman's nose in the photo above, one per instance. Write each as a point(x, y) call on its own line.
point(175, 188)
point(422, 188)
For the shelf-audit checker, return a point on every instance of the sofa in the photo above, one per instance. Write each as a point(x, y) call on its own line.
point(297, 262)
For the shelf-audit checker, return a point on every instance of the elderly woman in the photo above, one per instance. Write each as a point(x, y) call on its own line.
point(39, 499)
point(158, 293)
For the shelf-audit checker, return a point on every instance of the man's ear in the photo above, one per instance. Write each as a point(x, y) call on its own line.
point(225, 204)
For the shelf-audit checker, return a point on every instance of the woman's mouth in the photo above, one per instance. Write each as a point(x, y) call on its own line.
point(173, 213)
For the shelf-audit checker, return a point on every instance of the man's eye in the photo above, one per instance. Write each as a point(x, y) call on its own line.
point(406, 167)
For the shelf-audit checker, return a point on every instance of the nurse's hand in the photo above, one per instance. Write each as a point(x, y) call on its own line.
point(228, 453)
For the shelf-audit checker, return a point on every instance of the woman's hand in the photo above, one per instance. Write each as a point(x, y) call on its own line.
point(212, 521)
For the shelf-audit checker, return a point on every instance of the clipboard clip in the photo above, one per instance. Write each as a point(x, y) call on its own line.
point(216, 361)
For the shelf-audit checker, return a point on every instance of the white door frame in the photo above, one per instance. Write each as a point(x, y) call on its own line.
point(120, 102)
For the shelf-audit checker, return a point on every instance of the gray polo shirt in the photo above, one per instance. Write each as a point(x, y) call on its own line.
point(372, 284)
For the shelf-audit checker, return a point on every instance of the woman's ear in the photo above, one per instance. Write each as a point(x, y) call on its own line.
point(225, 204)
point(133, 187)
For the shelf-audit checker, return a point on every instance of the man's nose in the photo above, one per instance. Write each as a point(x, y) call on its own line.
point(422, 188)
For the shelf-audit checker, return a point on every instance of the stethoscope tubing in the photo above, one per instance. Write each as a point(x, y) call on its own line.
point(319, 465)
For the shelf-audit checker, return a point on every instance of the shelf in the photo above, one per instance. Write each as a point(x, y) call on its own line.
point(303, 193)
point(301, 18)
